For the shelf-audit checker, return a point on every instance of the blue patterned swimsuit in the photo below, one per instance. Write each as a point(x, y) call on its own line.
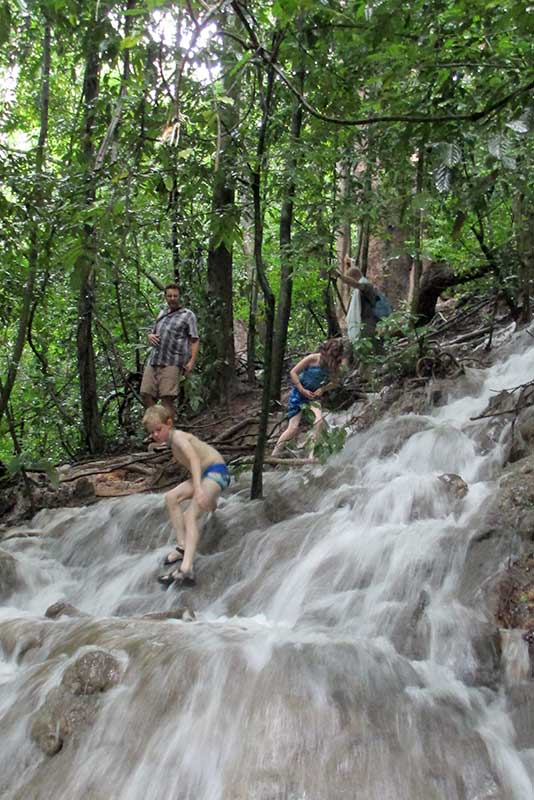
point(218, 473)
point(311, 378)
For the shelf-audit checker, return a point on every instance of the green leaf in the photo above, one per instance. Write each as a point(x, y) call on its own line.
point(518, 125)
point(168, 180)
point(130, 41)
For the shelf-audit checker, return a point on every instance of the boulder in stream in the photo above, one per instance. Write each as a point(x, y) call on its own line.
point(63, 609)
point(73, 705)
point(9, 579)
point(96, 671)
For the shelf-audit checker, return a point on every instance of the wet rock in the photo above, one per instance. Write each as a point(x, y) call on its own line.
point(185, 614)
point(455, 485)
point(511, 510)
point(73, 705)
point(21, 533)
point(223, 529)
point(523, 435)
point(280, 506)
point(63, 609)
point(413, 401)
point(93, 672)
point(60, 716)
point(9, 579)
point(520, 702)
point(439, 391)
point(515, 593)
point(486, 644)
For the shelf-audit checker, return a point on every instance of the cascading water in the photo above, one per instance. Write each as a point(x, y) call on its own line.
point(333, 654)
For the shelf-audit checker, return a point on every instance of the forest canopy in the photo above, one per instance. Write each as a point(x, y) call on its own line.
point(240, 149)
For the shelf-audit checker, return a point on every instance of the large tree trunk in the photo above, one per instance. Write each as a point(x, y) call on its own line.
point(438, 277)
point(92, 432)
point(286, 255)
point(224, 217)
point(33, 213)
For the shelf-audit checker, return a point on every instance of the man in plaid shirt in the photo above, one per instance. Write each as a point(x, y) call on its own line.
point(175, 343)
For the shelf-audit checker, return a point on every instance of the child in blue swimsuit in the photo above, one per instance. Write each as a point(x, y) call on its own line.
point(314, 375)
point(209, 476)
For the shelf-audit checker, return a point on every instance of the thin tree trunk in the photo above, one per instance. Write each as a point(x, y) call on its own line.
point(257, 469)
point(35, 212)
point(342, 246)
point(418, 230)
point(92, 432)
point(286, 255)
point(524, 226)
point(248, 249)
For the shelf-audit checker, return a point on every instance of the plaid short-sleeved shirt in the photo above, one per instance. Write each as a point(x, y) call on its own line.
point(175, 329)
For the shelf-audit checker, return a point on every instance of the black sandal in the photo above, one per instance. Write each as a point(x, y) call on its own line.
point(172, 562)
point(185, 578)
point(168, 579)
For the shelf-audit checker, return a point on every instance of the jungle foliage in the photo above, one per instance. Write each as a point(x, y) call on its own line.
point(227, 146)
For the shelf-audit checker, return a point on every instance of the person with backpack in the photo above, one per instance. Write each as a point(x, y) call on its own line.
point(367, 305)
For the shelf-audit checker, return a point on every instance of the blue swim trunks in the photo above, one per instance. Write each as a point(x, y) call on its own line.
point(218, 473)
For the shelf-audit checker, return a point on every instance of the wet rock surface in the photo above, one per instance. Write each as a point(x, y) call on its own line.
point(92, 672)
point(72, 707)
point(62, 609)
point(184, 614)
point(456, 487)
point(512, 508)
point(9, 577)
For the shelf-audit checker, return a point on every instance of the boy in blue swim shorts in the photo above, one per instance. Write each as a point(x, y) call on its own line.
point(209, 476)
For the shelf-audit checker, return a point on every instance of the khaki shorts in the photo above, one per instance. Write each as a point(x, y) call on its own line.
point(161, 381)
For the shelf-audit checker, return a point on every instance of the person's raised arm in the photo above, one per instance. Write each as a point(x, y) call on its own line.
point(348, 279)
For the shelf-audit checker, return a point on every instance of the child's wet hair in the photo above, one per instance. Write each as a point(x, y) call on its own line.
point(156, 415)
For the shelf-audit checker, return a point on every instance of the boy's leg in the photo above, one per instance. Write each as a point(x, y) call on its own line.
point(184, 491)
point(288, 434)
point(212, 490)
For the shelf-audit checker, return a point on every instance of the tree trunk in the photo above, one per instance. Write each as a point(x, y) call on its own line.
point(438, 277)
point(33, 213)
point(524, 226)
point(418, 230)
point(224, 220)
point(256, 489)
point(286, 255)
point(342, 247)
point(92, 432)
point(247, 223)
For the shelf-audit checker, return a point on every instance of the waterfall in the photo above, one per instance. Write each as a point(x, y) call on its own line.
point(336, 650)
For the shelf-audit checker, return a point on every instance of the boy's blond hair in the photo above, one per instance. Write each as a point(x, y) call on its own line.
point(155, 415)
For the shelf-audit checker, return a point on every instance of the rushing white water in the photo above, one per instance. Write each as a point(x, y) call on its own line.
point(332, 656)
